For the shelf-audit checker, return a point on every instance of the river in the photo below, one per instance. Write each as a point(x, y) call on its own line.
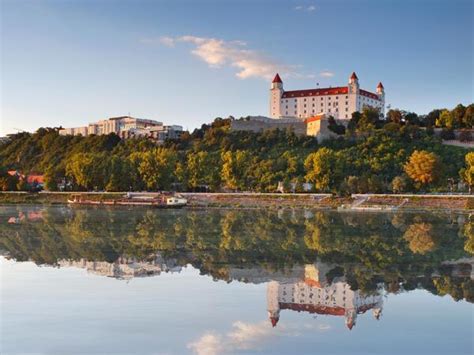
point(290, 281)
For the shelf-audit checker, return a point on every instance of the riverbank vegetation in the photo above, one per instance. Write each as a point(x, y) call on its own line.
point(404, 251)
point(397, 154)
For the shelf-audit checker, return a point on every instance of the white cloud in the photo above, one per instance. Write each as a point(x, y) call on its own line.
point(326, 74)
point(167, 41)
point(309, 8)
point(243, 336)
point(208, 344)
point(218, 53)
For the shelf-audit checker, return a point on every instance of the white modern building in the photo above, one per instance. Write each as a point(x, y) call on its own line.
point(127, 127)
point(339, 102)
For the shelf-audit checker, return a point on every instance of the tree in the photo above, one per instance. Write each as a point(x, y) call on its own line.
point(394, 116)
point(322, 169)
point(156, 167)
point(468, 173)
point(468, 118)
point(423, 167)
point(419, 238)
point(399, 184)
point(235, 172)
point(445, 120)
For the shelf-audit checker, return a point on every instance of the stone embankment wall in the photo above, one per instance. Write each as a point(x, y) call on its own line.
point(260, 124)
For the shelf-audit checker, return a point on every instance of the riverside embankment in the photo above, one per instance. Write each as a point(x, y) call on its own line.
point(361, 202)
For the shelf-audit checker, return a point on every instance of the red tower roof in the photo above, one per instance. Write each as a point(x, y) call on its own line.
point(274, 321)
point(354, 76)
point(380, 86)
point(277, 79)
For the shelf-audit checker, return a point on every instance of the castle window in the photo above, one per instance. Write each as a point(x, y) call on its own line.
point(347, 109)
point(304, 99)
point(286, 106)
point(304, 105)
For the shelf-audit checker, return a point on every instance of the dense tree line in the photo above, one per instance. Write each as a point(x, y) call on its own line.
point(370, 155)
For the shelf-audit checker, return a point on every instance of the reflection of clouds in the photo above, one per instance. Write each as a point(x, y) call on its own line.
point(208, 344)
point(246, 336)
point(243, 336)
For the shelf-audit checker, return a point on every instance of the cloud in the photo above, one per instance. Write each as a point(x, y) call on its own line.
point(218, 53)
point(326, 74)
point(208, 344)
point(167, 41)
point(243, 336)
point(309, 8)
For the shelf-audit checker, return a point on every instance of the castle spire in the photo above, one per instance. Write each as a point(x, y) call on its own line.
point(277, 79)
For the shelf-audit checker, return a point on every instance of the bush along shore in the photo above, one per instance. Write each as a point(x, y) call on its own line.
point(388, 202)
point(371, 155)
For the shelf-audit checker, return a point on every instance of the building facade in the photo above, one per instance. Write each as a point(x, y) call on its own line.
point(127, 127)
point(339, 102)
point(314, 294)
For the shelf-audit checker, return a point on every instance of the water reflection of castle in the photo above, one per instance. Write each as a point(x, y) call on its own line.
point(306, 289)
point(125, 268)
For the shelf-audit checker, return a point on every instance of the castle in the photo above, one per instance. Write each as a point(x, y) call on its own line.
point(339, 102)
point(314, 294)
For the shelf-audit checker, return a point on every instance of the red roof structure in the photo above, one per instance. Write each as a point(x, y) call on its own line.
point(354, 76)
point(277, 79)
point(380, 85)
point(316, 92)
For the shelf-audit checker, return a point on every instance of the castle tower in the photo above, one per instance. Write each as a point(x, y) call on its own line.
point(273, 305)
point(353, 84)
point(276, 92)
point(351, 316)
point(381, 92)
point(353, 93)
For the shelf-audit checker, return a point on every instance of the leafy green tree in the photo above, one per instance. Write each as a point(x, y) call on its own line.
point(445, 119)
point(156, 167)
point(467, 173)
point(323, 169)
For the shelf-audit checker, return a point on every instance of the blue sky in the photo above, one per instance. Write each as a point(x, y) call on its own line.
point(185, 62)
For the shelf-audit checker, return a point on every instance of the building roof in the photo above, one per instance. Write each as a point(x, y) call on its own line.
point(313, 119)
point(31, 179)
point(380, 85)
point(316, 92)
point(369, 94)
point(277, 79)
point(354, 76)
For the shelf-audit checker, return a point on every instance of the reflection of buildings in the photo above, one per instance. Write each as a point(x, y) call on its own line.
point(125, 268)
point(313, 294)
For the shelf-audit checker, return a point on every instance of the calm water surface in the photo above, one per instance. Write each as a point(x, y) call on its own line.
point(142, 281)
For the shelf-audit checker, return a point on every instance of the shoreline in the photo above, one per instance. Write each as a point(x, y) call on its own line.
point(356, 202)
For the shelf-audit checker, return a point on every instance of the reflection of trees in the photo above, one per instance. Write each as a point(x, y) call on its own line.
point(366, 248)
point(418, 236)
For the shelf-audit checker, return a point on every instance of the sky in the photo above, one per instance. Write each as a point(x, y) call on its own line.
point(68, 63)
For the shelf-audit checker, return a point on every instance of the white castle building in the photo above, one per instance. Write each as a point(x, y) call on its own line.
point(313, 294)
point(339, 102)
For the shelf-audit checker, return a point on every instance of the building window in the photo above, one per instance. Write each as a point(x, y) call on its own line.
point(347, 102)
